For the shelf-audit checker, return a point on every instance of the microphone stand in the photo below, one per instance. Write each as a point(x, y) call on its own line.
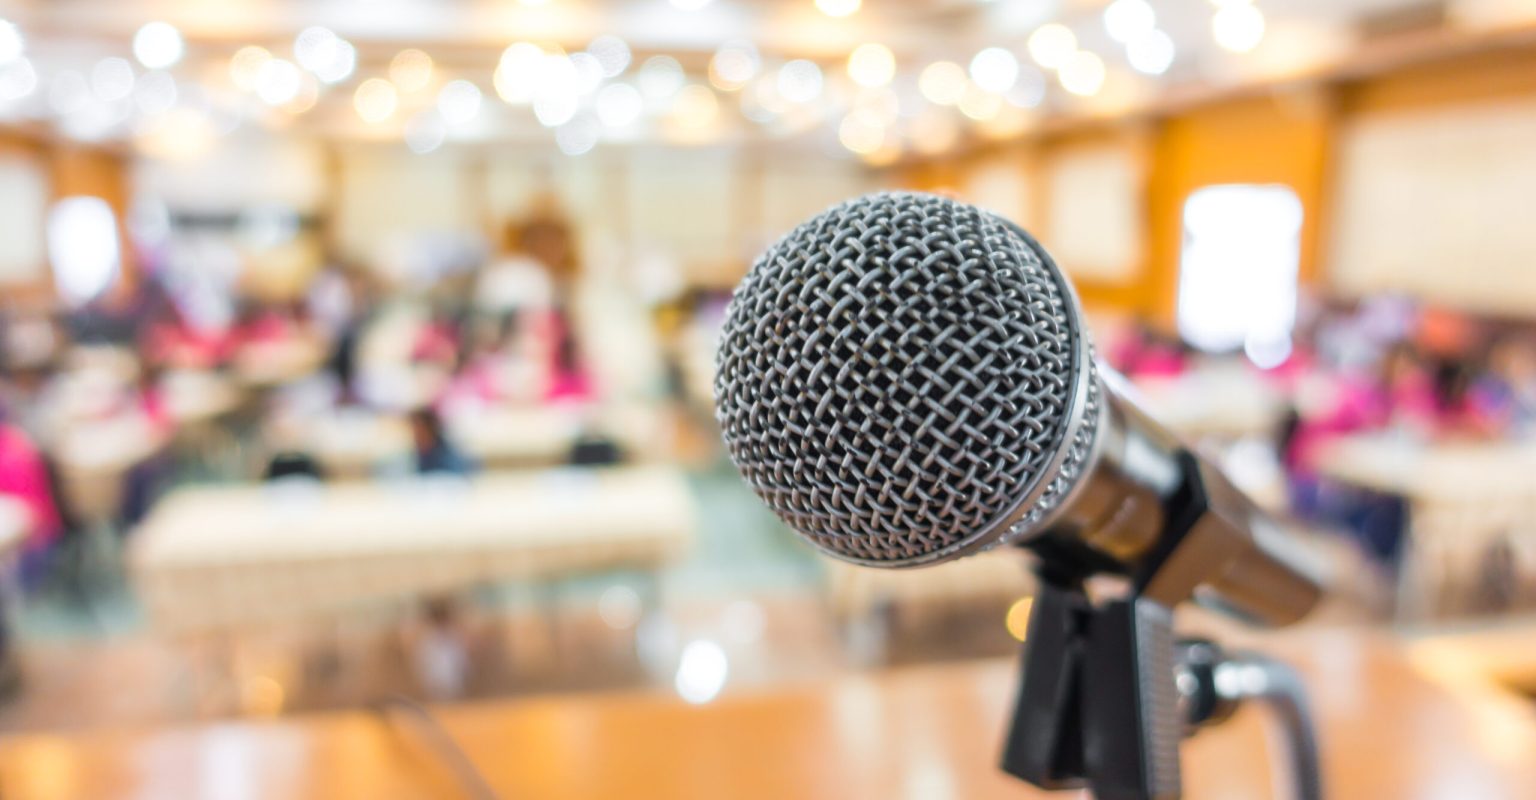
point(1107, 694)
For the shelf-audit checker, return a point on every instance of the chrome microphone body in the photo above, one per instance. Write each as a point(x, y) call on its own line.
point(906, 379)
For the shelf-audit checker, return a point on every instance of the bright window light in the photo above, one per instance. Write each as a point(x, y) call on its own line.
point(82, 245)
point(1237, 273)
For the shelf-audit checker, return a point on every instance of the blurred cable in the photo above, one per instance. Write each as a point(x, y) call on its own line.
point(425, 723)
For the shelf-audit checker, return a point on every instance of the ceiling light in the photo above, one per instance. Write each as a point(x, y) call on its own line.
point(246, 64)
point(762, 102)
point(1127, 20)
point(314, 47)
point(660, 77)
point(577, 136)
point(612, 53)
point(1150, 53)
point(410, 70)
point(458, 102)
point(155, 93)
point(1083, 74)
point(375, 100)
point(800, 81)
point(942, 82)
point(1029, 90)
point(279, 82)
point(425, 132)
point(343, 62)
point(554, 110)
point(695, 107)
point(18, 79)
point(306, 97)
point(517, 76)
point(618, 105)
point(588, 70)
point(96, 120)
point(112, 79)
point(1238, 27)
point(158, 45)
point(979, 104)
point(861, 132)
point(838, 8)
point(1051, 45)
point(734, 65)
point(871, 65)
point(994, 69)
point(68, 92)
point(328, 56)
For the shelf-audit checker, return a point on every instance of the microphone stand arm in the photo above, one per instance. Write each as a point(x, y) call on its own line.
point(1213, 683)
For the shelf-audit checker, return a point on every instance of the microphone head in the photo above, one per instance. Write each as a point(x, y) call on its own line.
point(905, 379)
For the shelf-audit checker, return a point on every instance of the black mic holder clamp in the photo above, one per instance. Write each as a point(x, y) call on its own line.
point(1107, 694)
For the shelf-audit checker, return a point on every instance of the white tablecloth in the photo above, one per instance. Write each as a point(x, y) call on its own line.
point(14, 522)
point(210, 557)
point(351, 443)
point(1420, 469)
point(1214, 401)
point(1472, 509)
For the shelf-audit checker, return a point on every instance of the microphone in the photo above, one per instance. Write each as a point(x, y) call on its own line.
point(905, 379)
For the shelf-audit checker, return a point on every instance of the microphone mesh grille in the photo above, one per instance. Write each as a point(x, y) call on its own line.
point(895, 374)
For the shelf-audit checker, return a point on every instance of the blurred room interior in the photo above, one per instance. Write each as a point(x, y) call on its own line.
point(358, 354)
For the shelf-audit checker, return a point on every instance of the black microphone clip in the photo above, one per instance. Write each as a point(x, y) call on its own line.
point(1100, 703)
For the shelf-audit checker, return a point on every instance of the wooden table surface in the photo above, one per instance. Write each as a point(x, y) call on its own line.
point(1395, 723)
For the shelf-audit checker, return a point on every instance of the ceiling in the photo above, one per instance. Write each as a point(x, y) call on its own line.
point(466, 40)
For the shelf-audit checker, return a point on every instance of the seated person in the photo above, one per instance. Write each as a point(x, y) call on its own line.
point(25, 476)
point(433, 452)
point(292, 464)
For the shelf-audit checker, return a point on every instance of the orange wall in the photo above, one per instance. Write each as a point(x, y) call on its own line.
point(75, 170)
point(80, 171)
point(1283, 136)
point(1281, 139)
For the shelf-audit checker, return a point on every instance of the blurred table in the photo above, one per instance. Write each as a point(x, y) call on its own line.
point(272, 363)
point(194, 396)
point(1388, 730)
point(1413, 467)
point(353, 443)
point(15, 522)
point(94, 457)
point(1471, 509)
point(1226, 401)
point(217, 557)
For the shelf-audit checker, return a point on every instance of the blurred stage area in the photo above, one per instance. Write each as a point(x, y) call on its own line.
point(358, 355)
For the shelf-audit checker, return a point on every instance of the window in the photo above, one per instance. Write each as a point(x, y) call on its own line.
point(1238, 270)
point(82, 244)
point(24, 196)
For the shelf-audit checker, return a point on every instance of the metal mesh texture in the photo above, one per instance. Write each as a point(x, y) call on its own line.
point(895, 374)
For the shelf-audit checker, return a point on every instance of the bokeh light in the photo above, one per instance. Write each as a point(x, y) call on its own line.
point(871, 65)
